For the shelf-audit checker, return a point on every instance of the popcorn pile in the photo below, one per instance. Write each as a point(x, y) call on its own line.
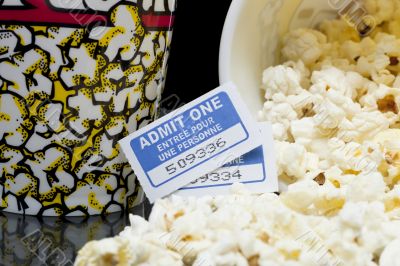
point(334, 105)
point(244, 229)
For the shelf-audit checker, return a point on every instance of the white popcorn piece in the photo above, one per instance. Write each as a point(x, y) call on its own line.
point(338, 30)
point(306, 45)
point(382, 10)
point(304, 128)
point(302, 70)
point(281, 79)
point(301, 195)
point(363, 126)
point(390, 255)
point(291, 159)
point(366, 187)
point(396, 83)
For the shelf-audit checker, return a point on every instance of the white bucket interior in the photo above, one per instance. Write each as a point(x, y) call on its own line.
point(251, 39)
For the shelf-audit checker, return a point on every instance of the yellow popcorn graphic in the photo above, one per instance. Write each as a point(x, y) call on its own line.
point(75, 77)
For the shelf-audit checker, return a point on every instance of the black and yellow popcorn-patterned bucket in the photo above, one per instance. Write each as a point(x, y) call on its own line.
point(75, 77)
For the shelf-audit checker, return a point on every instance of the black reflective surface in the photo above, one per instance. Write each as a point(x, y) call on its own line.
point(29, 240)
point(193, 71)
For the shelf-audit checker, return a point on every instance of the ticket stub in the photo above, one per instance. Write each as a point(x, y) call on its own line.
point(196, 139)
point(256, 169)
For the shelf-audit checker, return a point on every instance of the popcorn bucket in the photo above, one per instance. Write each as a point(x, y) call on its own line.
point(253, 29)
point(75, 77)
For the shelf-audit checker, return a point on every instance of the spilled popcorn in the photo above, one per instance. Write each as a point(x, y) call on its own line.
point(334, 105)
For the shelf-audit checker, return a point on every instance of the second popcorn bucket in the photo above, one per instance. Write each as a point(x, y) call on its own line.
point(75, 77)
